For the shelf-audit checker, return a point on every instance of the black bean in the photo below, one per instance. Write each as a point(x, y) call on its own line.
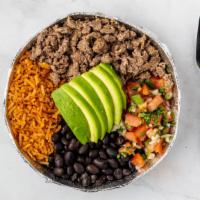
point(65, 176)
point(64, 141)
point(109, 177)
point(104, 146)
point(84, 175)
point(74, 177)
point(102, 154)
point(70, 170)
point(80, 159)
point(113, 163)
point(122, 162)
point(113, 135)
point(100, 181)
point(92, 145)
point(106, 140)
point(51, 159)
point(64, 130)
point(69, 136)
point(79, 180)
point(58, 160)
point(73, 145)
point(111, 152)
point(55, 138)
point(88, 160)
point(65, 147)
point(92, 169)
point(107, 171)
point(58, 147)
point(93, 153)
point(93, 178)
point(118, 173)
point(69, 158)
point(78, 168)
point(86, 181)
point(99, 144)
point(58, 171)
point(83, 149)
point(113, 145)
point(102, 164)
point(120, 140)
point(126, 172)
point(131, 167)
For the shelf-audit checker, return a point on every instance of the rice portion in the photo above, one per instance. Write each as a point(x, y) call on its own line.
point(31, 112)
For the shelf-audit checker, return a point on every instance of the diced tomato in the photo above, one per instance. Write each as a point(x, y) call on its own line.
point(140, 132)
point(145, 90)
point(131, 136)
point(154, 103)
point(157, 82)
point(138, 160)
point(132, 120)
point(159, 148)
point(132, 88)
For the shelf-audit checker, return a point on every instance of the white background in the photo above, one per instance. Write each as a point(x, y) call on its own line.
point(175, 23)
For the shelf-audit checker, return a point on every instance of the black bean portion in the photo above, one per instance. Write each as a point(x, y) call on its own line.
point(88, 160)
point(58, 147)
point(102, 154)
point(64, 130)
point(92, 169)
point(73, 145)
point(70, 170)
point(58, 160)
point(64, 141)
point(109, 177)
point(78, 168)
point(69, 136)
point(74, 177)
point(100, 181)
point(58, 171)
point(69, 158)
point(93, 153)
point(55, 138)
point(93, 178)
point(107, 171)
point(83, 149)
point(106, 140)
point(126, 172)
point(120, 140)
point(80, 159)
point(100, 163)
point(113, 163)
point(118, 173)
point(86, 181)
point(111, 152)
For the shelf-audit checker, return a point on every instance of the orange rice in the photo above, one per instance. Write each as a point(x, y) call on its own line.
point(31, 111)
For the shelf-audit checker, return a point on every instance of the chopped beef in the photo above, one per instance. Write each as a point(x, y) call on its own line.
point(75, 45)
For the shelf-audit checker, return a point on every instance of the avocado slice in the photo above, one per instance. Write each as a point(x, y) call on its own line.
point(104, 94)
point(86, 91)
point(112, 72)
point(68, 110)
point(88, 111)
point(112, 87)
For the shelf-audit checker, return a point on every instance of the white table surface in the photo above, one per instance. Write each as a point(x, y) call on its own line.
point(175, 23)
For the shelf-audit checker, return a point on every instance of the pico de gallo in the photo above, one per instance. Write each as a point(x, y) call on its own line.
point(148, 120)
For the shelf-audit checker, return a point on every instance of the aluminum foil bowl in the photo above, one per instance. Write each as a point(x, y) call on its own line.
point(164, 52)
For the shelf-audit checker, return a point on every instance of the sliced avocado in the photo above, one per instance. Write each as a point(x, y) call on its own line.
point(70, 111)
point(103, 94)
point(86, 91)
point(88, 111)
point(116, 78)
point(112, 87)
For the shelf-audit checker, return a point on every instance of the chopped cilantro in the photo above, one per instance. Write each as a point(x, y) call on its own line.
point(146, 116)
point(135, 88)
point(162, 90)
point(150, 84)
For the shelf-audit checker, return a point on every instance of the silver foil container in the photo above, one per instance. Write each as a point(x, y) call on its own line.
point(166, 56)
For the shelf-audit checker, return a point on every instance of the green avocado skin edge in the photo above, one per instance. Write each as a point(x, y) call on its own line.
point(63, 101)
point(116, 78)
